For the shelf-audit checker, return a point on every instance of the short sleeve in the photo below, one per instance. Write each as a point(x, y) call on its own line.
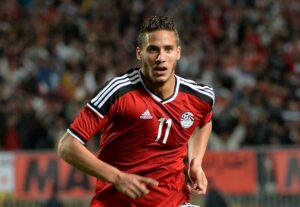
point(206, 119)
point(86, 125)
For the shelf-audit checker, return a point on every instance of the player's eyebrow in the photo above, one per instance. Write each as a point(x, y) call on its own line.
point(154, 47)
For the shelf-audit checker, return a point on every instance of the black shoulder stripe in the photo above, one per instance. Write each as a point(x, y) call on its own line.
point(106, 106)
point(200, 90)
point(113, 90)
point(202, 96)
point(112, 85)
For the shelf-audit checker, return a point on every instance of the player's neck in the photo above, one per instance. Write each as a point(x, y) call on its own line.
point(163, 90)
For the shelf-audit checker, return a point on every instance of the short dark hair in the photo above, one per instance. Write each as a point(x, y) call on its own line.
point(156, 23)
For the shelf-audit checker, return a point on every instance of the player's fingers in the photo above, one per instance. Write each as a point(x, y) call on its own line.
point(135, 189)
point(139, 192)
point(199, 187)
point(195, 190)
point(132, 187)
point(192, 190)
point(140, 188)
point(203, 184)
point(148, 180)
point(131, 193)
point(140, 184)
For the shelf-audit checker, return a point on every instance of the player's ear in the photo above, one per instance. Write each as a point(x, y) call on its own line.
point(178, 52)
point(138, 53)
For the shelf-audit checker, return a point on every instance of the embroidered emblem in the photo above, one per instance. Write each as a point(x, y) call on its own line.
point(187, 119)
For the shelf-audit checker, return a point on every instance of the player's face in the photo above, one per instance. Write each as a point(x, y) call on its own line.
point(159, 55)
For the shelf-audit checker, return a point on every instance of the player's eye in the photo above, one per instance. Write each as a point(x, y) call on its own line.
point(169, 49)
point(152, 49)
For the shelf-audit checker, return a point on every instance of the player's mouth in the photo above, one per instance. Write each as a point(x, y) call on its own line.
point(160, 69)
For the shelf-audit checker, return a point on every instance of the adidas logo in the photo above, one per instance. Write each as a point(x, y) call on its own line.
point(146, 115)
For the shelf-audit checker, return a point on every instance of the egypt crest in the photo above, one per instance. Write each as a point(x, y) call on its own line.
point(187, 119)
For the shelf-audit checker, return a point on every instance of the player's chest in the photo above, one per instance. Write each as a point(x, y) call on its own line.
point(169, 124)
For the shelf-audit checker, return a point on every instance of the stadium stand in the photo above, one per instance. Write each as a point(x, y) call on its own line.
point(55, 53)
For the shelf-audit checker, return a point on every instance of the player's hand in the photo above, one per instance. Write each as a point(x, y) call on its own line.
point(198, 179)
point(132, 185)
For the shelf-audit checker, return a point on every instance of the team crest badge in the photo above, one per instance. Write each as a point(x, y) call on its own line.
point(187, 119)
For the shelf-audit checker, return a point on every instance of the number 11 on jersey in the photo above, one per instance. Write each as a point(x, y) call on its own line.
point(162, 122)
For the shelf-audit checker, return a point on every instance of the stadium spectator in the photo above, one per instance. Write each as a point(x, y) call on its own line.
point(50, 51)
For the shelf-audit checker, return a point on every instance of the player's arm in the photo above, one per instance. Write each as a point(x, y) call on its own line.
point(196, 151)
point(76, 154)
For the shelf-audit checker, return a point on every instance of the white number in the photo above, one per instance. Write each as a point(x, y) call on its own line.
point(161, 123)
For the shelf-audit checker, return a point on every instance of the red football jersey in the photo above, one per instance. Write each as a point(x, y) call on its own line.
point(144, 134)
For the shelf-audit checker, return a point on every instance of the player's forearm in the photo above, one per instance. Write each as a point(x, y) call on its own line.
point(198, 143)
point(73, 152)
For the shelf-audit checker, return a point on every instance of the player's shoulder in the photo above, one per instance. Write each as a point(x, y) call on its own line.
point(130, 77)
point(124, 81)
point(115, 88)
point(200, 90)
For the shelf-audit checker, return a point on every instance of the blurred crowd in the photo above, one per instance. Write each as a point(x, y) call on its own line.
point(54, 54)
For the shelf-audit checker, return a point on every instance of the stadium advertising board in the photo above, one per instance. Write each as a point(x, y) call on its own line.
point(34, 176)
point(286, 164)
point(7, 182)
point(232, 172)
point(39, 175)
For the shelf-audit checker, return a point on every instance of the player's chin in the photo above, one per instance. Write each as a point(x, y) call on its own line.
point(161, 74)
point(160, 79)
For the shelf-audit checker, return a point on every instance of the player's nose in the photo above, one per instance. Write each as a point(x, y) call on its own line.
point(160, 57)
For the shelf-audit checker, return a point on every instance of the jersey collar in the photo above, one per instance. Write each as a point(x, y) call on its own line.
point(158, 98)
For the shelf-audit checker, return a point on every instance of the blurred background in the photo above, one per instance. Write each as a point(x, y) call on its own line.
point(55, 53)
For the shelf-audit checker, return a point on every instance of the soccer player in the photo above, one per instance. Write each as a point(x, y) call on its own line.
point(149, 120)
